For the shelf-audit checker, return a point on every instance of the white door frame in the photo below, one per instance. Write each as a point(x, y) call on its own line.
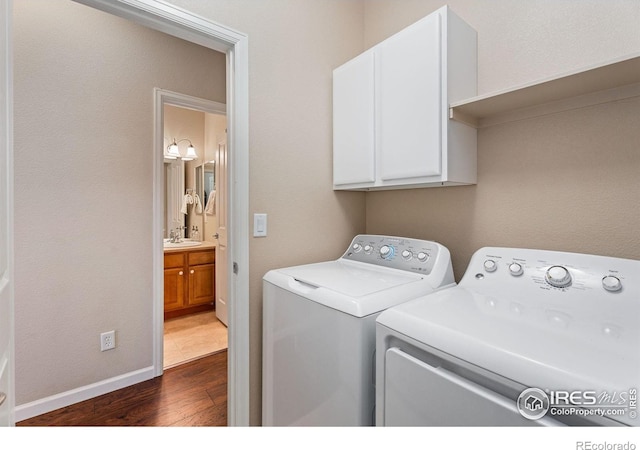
point(7, 370)
point(177, 22)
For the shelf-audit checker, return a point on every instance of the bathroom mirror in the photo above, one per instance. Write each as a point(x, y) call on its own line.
point(205, 181)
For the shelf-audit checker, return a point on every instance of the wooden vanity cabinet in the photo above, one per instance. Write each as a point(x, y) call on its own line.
point(189, 282)
point(202, 272)
point(174, 285)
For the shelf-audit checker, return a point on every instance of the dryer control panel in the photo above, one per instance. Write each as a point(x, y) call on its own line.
point(414, 255)
point(588, 294)
point(573, 273)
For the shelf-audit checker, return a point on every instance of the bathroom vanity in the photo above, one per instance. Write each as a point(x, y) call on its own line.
point(189, 280)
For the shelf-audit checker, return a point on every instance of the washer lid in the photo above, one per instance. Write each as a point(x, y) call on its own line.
point(355, 288)
point(350, 278)
point(532, 344)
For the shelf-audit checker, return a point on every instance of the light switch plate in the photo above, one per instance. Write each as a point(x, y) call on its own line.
point(259, 225)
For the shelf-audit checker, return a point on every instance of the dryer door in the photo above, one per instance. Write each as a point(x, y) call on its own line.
point(417, 394)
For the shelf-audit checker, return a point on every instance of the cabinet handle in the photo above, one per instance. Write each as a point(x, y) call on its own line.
point(3, 397)
point(180, 273)
point(192, 271)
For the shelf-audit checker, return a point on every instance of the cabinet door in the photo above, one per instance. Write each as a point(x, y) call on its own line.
point(353, 121)
point(174, 287)
point(202, 284)
point(410, 113)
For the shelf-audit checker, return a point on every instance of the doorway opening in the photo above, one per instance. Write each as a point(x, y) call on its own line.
point(178, 22)
point(195, 202)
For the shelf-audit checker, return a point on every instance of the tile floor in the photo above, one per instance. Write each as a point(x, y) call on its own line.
point(190, 337)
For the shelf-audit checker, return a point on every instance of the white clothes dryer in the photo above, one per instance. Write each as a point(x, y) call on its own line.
point(528, 337)
point(318, 360)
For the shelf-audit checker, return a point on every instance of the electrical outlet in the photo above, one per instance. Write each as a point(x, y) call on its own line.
point(107, 340)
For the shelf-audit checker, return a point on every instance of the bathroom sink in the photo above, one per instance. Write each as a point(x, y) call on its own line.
point(184, 243)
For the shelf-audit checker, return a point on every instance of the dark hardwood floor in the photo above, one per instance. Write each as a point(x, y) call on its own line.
point(192, 394)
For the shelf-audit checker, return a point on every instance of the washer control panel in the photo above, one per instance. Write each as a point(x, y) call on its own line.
point(414, 255)
point(551, 270)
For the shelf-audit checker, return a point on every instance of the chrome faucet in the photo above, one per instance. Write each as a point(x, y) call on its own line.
point(174, 235)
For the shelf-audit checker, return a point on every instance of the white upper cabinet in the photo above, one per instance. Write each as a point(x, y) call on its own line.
point(390, 110)
point(353, 118)
point(409, 76)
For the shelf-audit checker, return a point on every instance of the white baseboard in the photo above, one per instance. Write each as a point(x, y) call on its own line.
point(48, 404)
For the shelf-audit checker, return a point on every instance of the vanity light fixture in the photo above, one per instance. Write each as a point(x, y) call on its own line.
point(191, 153)
point(173, 152)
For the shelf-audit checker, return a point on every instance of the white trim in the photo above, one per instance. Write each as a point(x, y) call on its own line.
point(7, 356)
point(81, 394)
point(189, 102)
point(177, 22)
point(163, 97)
point(238, 232)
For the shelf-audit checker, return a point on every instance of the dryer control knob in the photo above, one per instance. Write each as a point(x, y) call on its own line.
point(407, 255)
point(490, 265)
point(368, 249)
point(611, 283)
point(387, 251)
point(423, 257)
point(515, 269)
point(356, 247)
point(558, 276)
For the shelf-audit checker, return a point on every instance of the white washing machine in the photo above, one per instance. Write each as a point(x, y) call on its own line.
point(528, 337)
point(318, 361)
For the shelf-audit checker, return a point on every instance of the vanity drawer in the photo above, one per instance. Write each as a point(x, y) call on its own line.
point(172, 260)
point(205, 257)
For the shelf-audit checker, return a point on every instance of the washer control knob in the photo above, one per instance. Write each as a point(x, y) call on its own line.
point(387, 251)
point(356, 247)
point(407, 255)
point(490, 265)
point(368, 249)
point(611, 283)
point(423, 257)
point(558, 276)
point(515, 269)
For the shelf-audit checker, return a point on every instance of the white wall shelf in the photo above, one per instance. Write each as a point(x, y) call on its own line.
point(601, 83)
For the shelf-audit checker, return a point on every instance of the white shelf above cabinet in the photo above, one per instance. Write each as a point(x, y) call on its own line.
point(613, 80)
